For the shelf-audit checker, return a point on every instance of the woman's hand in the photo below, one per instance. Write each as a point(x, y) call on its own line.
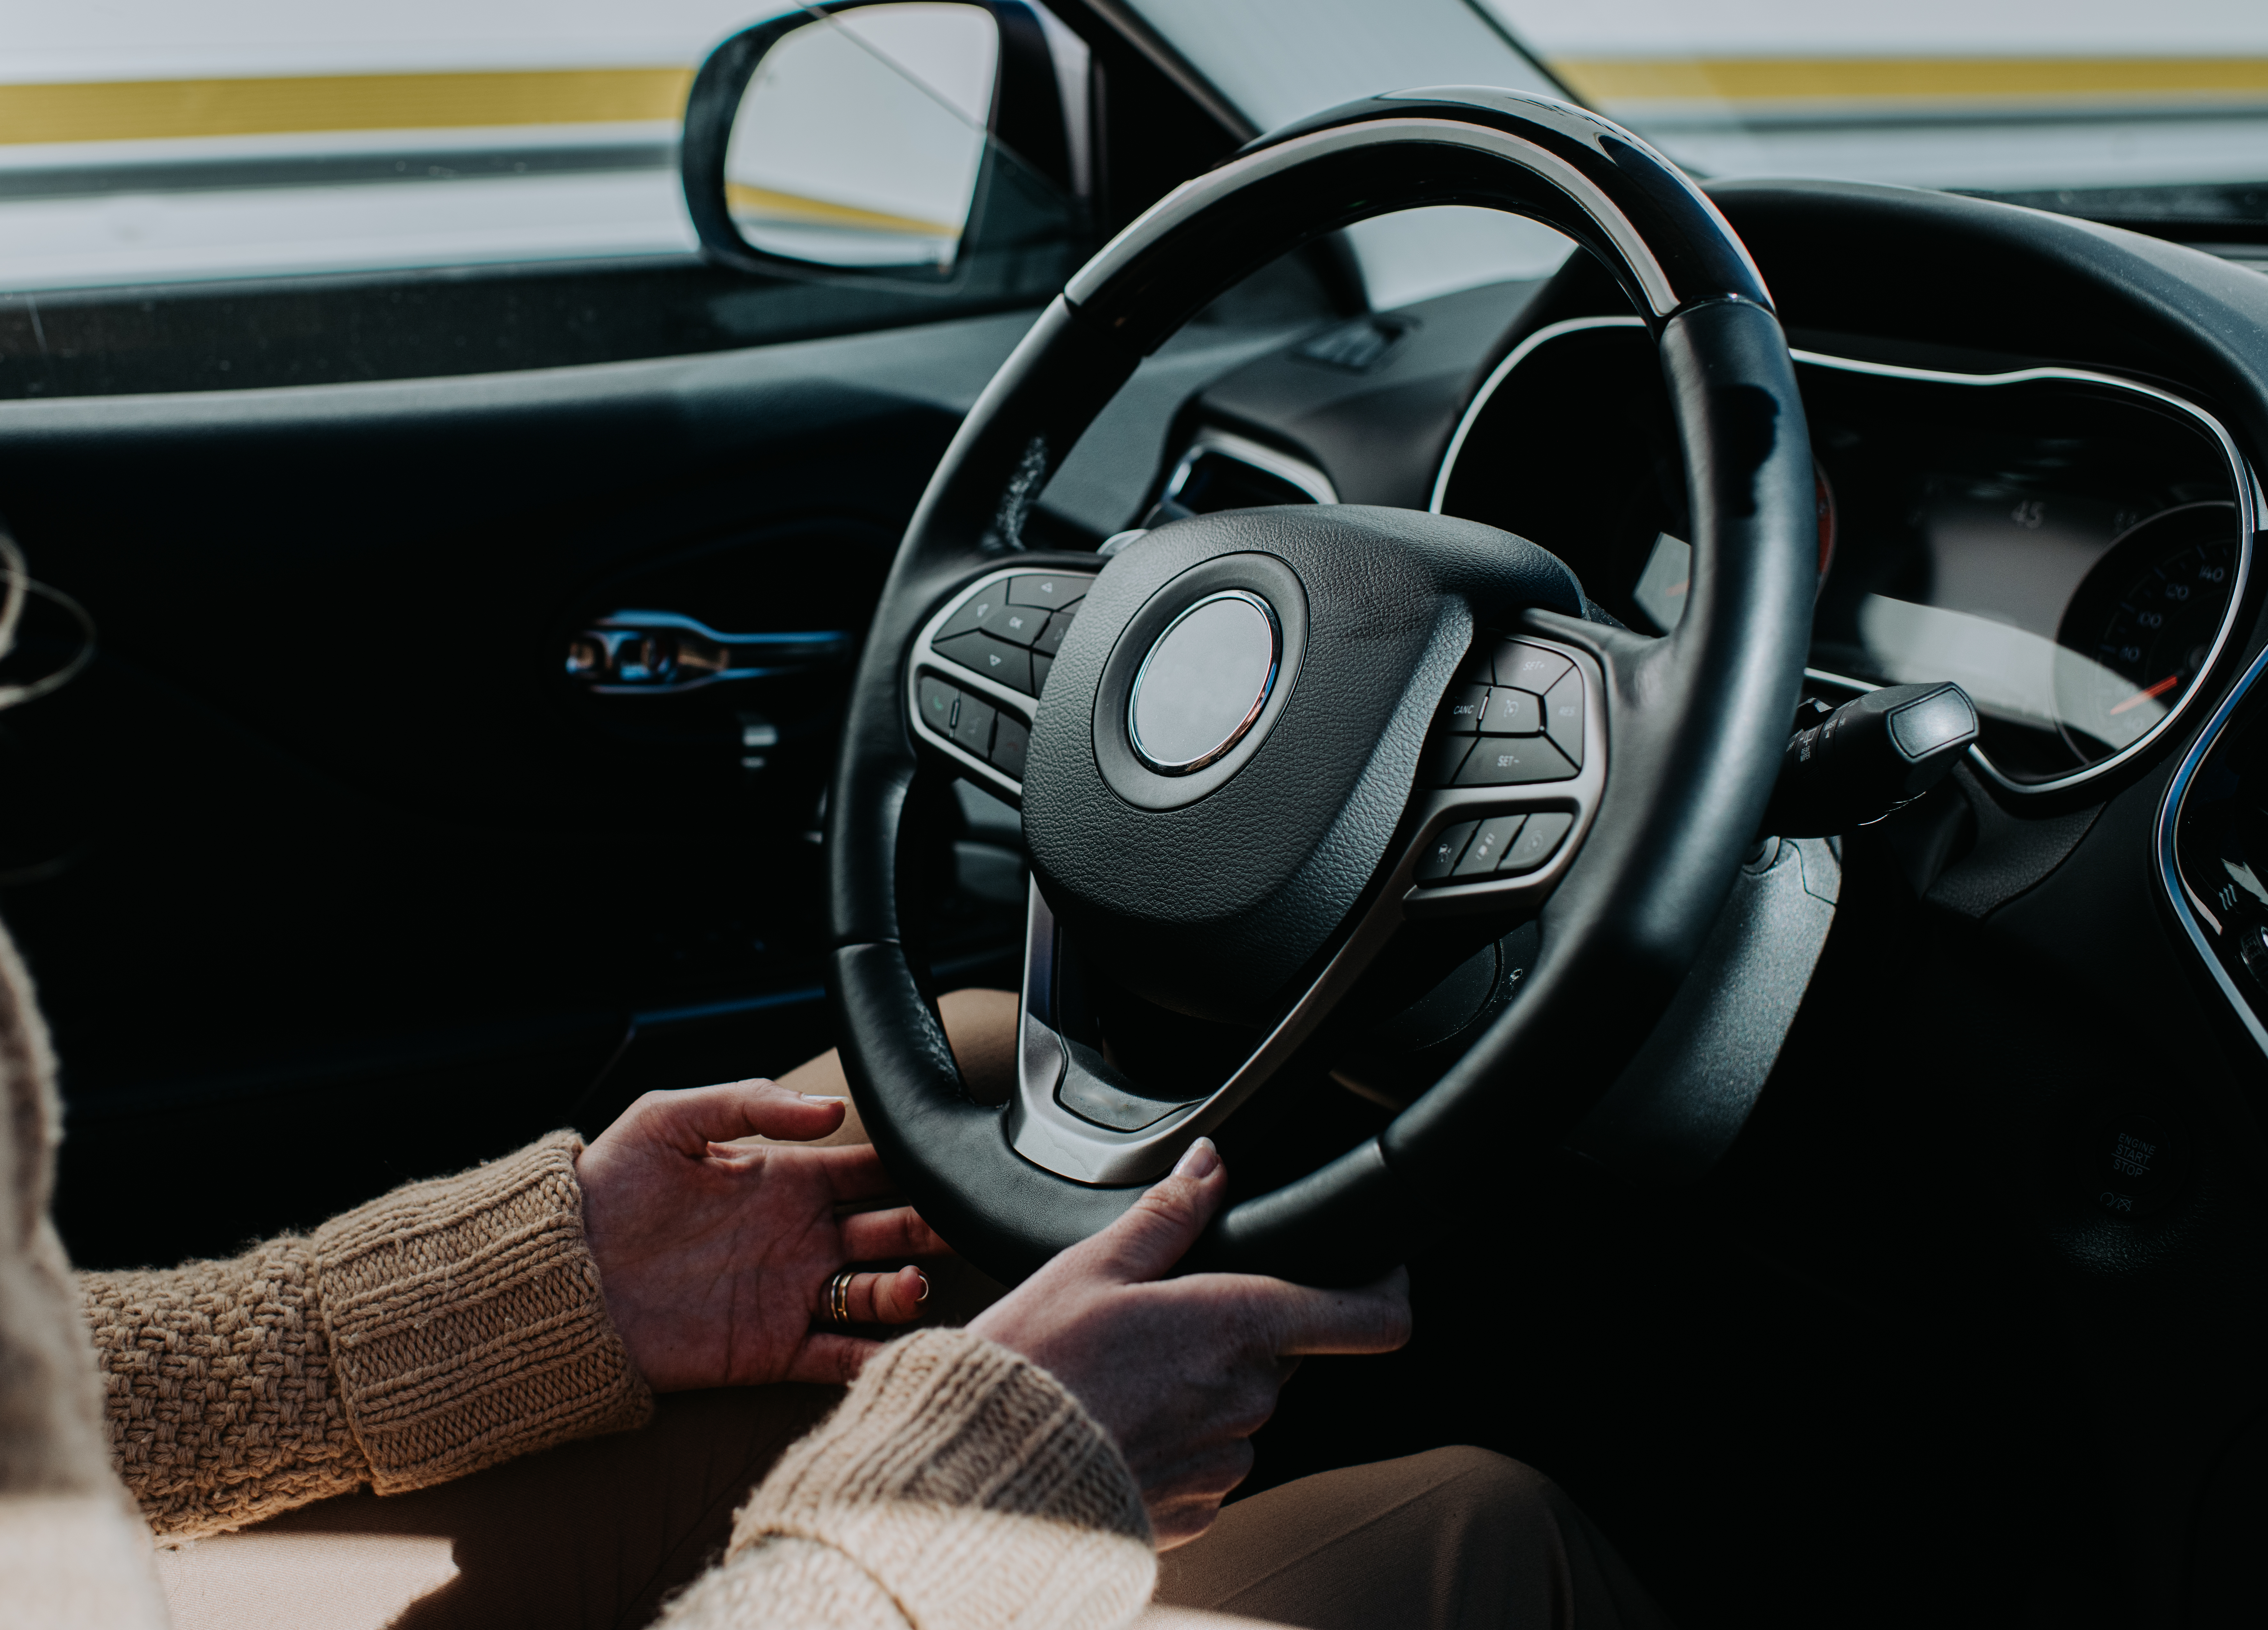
point(1183, 1371)
point(714, 1256)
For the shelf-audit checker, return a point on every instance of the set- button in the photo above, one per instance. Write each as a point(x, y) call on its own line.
point(1011, 630)
point(1513, 717)
point(1497, 846)
point(976, 726)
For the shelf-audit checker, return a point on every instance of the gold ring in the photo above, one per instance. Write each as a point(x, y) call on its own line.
point(838, 1297)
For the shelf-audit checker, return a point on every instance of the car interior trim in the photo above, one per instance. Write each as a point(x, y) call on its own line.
point(2244, 484)
point(2185, 904)
point(1266, 459)
point(926, 661)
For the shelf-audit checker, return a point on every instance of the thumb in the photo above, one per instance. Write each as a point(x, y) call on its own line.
point(1158, 1229)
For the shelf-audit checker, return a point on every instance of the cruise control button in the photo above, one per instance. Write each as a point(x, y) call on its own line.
point(1510, 760)
point(1512, 713)
point(1563, 717)
point(1462, 706)
point(980, 653)
point(972, 726)
point(1488, 845)
point(1056, 589)
point(968, 617)
point(1442, 854)
point(1530, 667)
point(1018, 624)
point(1443, 761)
point(1040, 666)
point(1010, 741)
point(936, 700)
point(1051, 638)
point(1538, 841)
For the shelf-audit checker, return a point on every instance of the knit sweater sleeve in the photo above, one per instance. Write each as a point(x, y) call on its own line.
point(439, 1329)
point(958, 1487)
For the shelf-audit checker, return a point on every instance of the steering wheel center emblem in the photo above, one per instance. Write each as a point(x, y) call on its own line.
point(1205, 682)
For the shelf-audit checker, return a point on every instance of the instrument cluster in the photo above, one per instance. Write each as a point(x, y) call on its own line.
point(2069, 546)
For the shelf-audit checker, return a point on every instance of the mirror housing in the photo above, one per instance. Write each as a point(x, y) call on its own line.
point(910, 140)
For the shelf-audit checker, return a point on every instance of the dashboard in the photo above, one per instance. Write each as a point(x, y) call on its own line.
point(2068, 545)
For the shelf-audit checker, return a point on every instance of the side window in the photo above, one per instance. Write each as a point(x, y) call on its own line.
point(222, 193)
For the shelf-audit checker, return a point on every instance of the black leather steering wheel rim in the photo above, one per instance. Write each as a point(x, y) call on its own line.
point(1700, 718)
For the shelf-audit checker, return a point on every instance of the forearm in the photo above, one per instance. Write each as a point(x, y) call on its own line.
point(958, 1486)
point(443, 1327)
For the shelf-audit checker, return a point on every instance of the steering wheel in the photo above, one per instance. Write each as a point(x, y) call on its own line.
point(1256, 745)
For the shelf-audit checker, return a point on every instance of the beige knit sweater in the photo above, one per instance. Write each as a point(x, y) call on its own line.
point(454, 1324)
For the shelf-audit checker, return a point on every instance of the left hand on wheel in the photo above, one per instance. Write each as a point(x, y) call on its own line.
point(714, 1257)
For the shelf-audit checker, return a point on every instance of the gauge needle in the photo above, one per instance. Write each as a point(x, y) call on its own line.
point(2150, 695)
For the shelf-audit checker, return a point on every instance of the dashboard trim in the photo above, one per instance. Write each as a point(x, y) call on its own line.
point(2244, 482)
point(2186, 906)
point(1283, 467)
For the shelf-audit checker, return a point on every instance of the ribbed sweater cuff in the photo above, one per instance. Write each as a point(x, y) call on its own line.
point(467, 1321)
point(972, 1487)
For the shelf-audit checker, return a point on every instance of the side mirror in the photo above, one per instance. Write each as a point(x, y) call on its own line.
point(875, 137)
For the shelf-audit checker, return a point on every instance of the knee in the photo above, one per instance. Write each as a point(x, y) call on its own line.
point(1493, 1489)
point(980, 1025)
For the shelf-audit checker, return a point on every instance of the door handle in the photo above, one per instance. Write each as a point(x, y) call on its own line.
point(650, 653)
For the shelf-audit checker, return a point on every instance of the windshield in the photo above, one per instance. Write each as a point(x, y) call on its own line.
point(2104, 107)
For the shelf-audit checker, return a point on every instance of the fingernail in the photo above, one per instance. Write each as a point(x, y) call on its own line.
point(925, 1282)
point(1200, 1160)
point(817, 1098)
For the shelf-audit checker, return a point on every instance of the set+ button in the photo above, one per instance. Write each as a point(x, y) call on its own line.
point(976, 727)
point(1499, 846)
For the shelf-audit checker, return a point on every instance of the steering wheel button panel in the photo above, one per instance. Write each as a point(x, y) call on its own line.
point(1446, 758)
point(1538, 842)
point(1563, 717)
point(1488, 847)
point(1040, 666)
point(1011, 739)
point(1512, 713)
point(996, 659)
point(1442, 854)
point(1056, 590)
point(1051, 638)
point(938, 702)
point(1018, 624)
point(1505, 761)
point(1530, 667)
point(970, 616)
point(972, 726)
point(1462, 707)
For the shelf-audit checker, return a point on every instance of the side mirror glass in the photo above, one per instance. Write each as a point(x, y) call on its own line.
point(861, 139)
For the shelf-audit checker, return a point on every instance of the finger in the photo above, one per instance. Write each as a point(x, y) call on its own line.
point(830, 1359)
point(1151, 1234)
point(697, 1117)
point(1183, 1503)
point(1372, 1319)
point(854, 1172)
point(891, 1298)
point(878, 1236)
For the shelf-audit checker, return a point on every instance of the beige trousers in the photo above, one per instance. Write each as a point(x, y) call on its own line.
point(597, 1533)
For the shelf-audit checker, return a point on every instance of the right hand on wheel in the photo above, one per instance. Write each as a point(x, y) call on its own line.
point(1183, 1372)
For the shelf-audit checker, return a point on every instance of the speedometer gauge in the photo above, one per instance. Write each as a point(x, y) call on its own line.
point(2141, 626)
